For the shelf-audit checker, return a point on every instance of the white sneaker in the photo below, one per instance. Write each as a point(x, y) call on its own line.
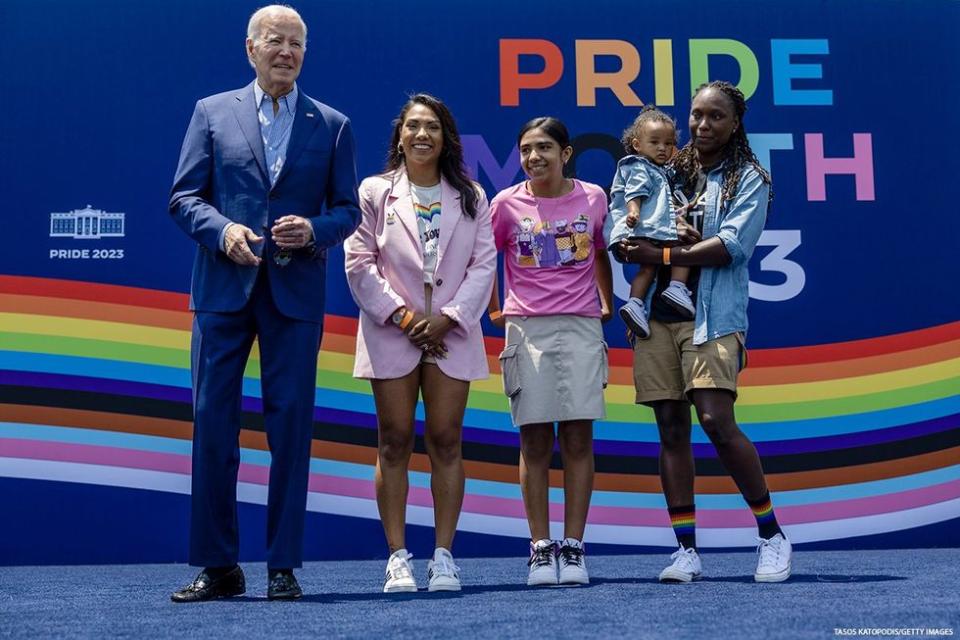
point(773, 563)
point(573, 566)
point(680, 299)
point(543, 563)
point(399, 574)
point(686, 566)
point(634, 315)
point(442, 572)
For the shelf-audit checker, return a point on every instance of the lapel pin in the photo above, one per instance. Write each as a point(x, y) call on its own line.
point(390, 217)
point(309, 114)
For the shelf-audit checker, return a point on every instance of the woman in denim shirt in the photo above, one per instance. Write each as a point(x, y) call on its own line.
point(683, 361)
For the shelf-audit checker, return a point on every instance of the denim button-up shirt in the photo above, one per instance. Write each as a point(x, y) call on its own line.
point(723, 292)
point(637, 177)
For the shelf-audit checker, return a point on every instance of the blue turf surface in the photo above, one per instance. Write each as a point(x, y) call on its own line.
point(873, 589)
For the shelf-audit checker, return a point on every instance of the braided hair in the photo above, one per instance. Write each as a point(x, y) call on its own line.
point(649, 113)
point(736, 154)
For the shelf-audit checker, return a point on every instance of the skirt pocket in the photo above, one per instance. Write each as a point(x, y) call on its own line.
point(605, 363)
point(510, 371)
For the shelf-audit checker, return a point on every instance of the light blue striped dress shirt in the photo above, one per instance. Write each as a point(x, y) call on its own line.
point(275, 134)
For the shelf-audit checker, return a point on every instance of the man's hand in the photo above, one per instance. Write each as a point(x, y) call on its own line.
point(236, 244)
point(292, 232)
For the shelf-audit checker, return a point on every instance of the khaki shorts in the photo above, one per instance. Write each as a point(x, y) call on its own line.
point(668, 366)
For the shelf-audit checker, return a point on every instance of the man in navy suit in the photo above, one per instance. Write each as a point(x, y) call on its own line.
point(266, 182)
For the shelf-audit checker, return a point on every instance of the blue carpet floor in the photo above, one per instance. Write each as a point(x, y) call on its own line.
point(916, 589)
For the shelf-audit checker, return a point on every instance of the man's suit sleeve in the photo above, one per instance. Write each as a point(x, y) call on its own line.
point(342, 215)
point(189, 197)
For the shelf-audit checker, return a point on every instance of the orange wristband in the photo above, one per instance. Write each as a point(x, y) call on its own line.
point(407, 317)
point(666, 255)
point(495, 315)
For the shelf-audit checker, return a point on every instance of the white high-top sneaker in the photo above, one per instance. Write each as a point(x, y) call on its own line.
point(543, 563)
point(399, 573)
point(442, 572)
point(686, 566)
point(573, 565)
point(773, 559)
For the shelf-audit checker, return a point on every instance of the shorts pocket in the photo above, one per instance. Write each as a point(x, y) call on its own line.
point(510, 371)
point(605, 363)
point(742, 360)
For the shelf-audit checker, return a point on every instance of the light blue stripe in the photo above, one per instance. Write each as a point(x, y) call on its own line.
point(95, 437)
point(494, 420)
point(486, 487)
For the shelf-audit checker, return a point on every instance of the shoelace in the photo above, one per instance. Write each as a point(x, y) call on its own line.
point(541, 556)
point(571, 555)
point(398, 568)
point(683, 558)
point(279, 580)
point(444, 567)
point(769, 552)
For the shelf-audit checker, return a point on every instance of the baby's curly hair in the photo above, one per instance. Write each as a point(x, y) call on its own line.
point(649, 113)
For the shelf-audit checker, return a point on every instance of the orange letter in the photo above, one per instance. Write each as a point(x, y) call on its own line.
point(511, 80)
point(589, 80)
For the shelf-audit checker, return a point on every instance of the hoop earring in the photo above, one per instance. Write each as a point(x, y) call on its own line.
point(400, 148)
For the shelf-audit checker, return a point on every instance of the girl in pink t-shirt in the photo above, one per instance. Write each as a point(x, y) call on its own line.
point(557, 290)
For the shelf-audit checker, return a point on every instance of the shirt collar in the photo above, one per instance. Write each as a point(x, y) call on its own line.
point(288, 100)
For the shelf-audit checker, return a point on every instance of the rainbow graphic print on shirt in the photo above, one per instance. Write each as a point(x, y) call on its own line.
point(429, 218)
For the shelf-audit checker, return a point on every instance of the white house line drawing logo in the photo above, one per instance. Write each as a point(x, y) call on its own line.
point(87, 224)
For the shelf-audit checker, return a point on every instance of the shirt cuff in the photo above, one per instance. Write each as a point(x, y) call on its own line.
point(223, 236)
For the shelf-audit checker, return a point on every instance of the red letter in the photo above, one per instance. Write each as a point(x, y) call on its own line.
point(511, 80)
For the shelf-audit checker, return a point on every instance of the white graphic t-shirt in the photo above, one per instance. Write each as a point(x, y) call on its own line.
point(426, 206)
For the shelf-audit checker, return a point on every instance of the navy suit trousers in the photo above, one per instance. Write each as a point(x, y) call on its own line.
point(288, 369)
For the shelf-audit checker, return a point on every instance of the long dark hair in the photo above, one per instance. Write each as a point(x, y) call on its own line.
point(737, 152)
point(451, 155)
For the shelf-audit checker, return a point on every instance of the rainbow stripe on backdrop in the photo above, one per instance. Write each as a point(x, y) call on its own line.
point(858, 438)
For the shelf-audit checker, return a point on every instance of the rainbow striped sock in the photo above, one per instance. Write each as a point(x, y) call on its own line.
point(766, 518)
point(684, 522)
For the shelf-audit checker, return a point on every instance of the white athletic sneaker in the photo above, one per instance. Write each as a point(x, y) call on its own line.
point(686, 566)
point(634, 315)
point(679, 298)
point(573, 566)
point(543, 563)
point(773, 563)
point(442, 572)
point(399, 574)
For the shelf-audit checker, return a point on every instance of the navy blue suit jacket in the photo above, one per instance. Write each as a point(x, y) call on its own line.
point(222, 178)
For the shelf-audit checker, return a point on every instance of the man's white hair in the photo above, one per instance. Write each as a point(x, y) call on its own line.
point(254, 30)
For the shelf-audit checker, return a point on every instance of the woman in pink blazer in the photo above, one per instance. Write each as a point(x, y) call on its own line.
point(421, 267)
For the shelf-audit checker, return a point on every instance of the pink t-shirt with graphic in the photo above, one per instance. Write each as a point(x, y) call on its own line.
point(549, 247)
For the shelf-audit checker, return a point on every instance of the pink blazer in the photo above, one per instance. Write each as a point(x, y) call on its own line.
point(384, 264)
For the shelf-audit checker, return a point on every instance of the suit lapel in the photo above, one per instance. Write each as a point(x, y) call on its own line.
point(450, 214)
point(247, 112)
point(400, 205)
point(304, 124)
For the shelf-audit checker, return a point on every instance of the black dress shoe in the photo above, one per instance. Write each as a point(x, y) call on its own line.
point(283, 586)
point(210, 585)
